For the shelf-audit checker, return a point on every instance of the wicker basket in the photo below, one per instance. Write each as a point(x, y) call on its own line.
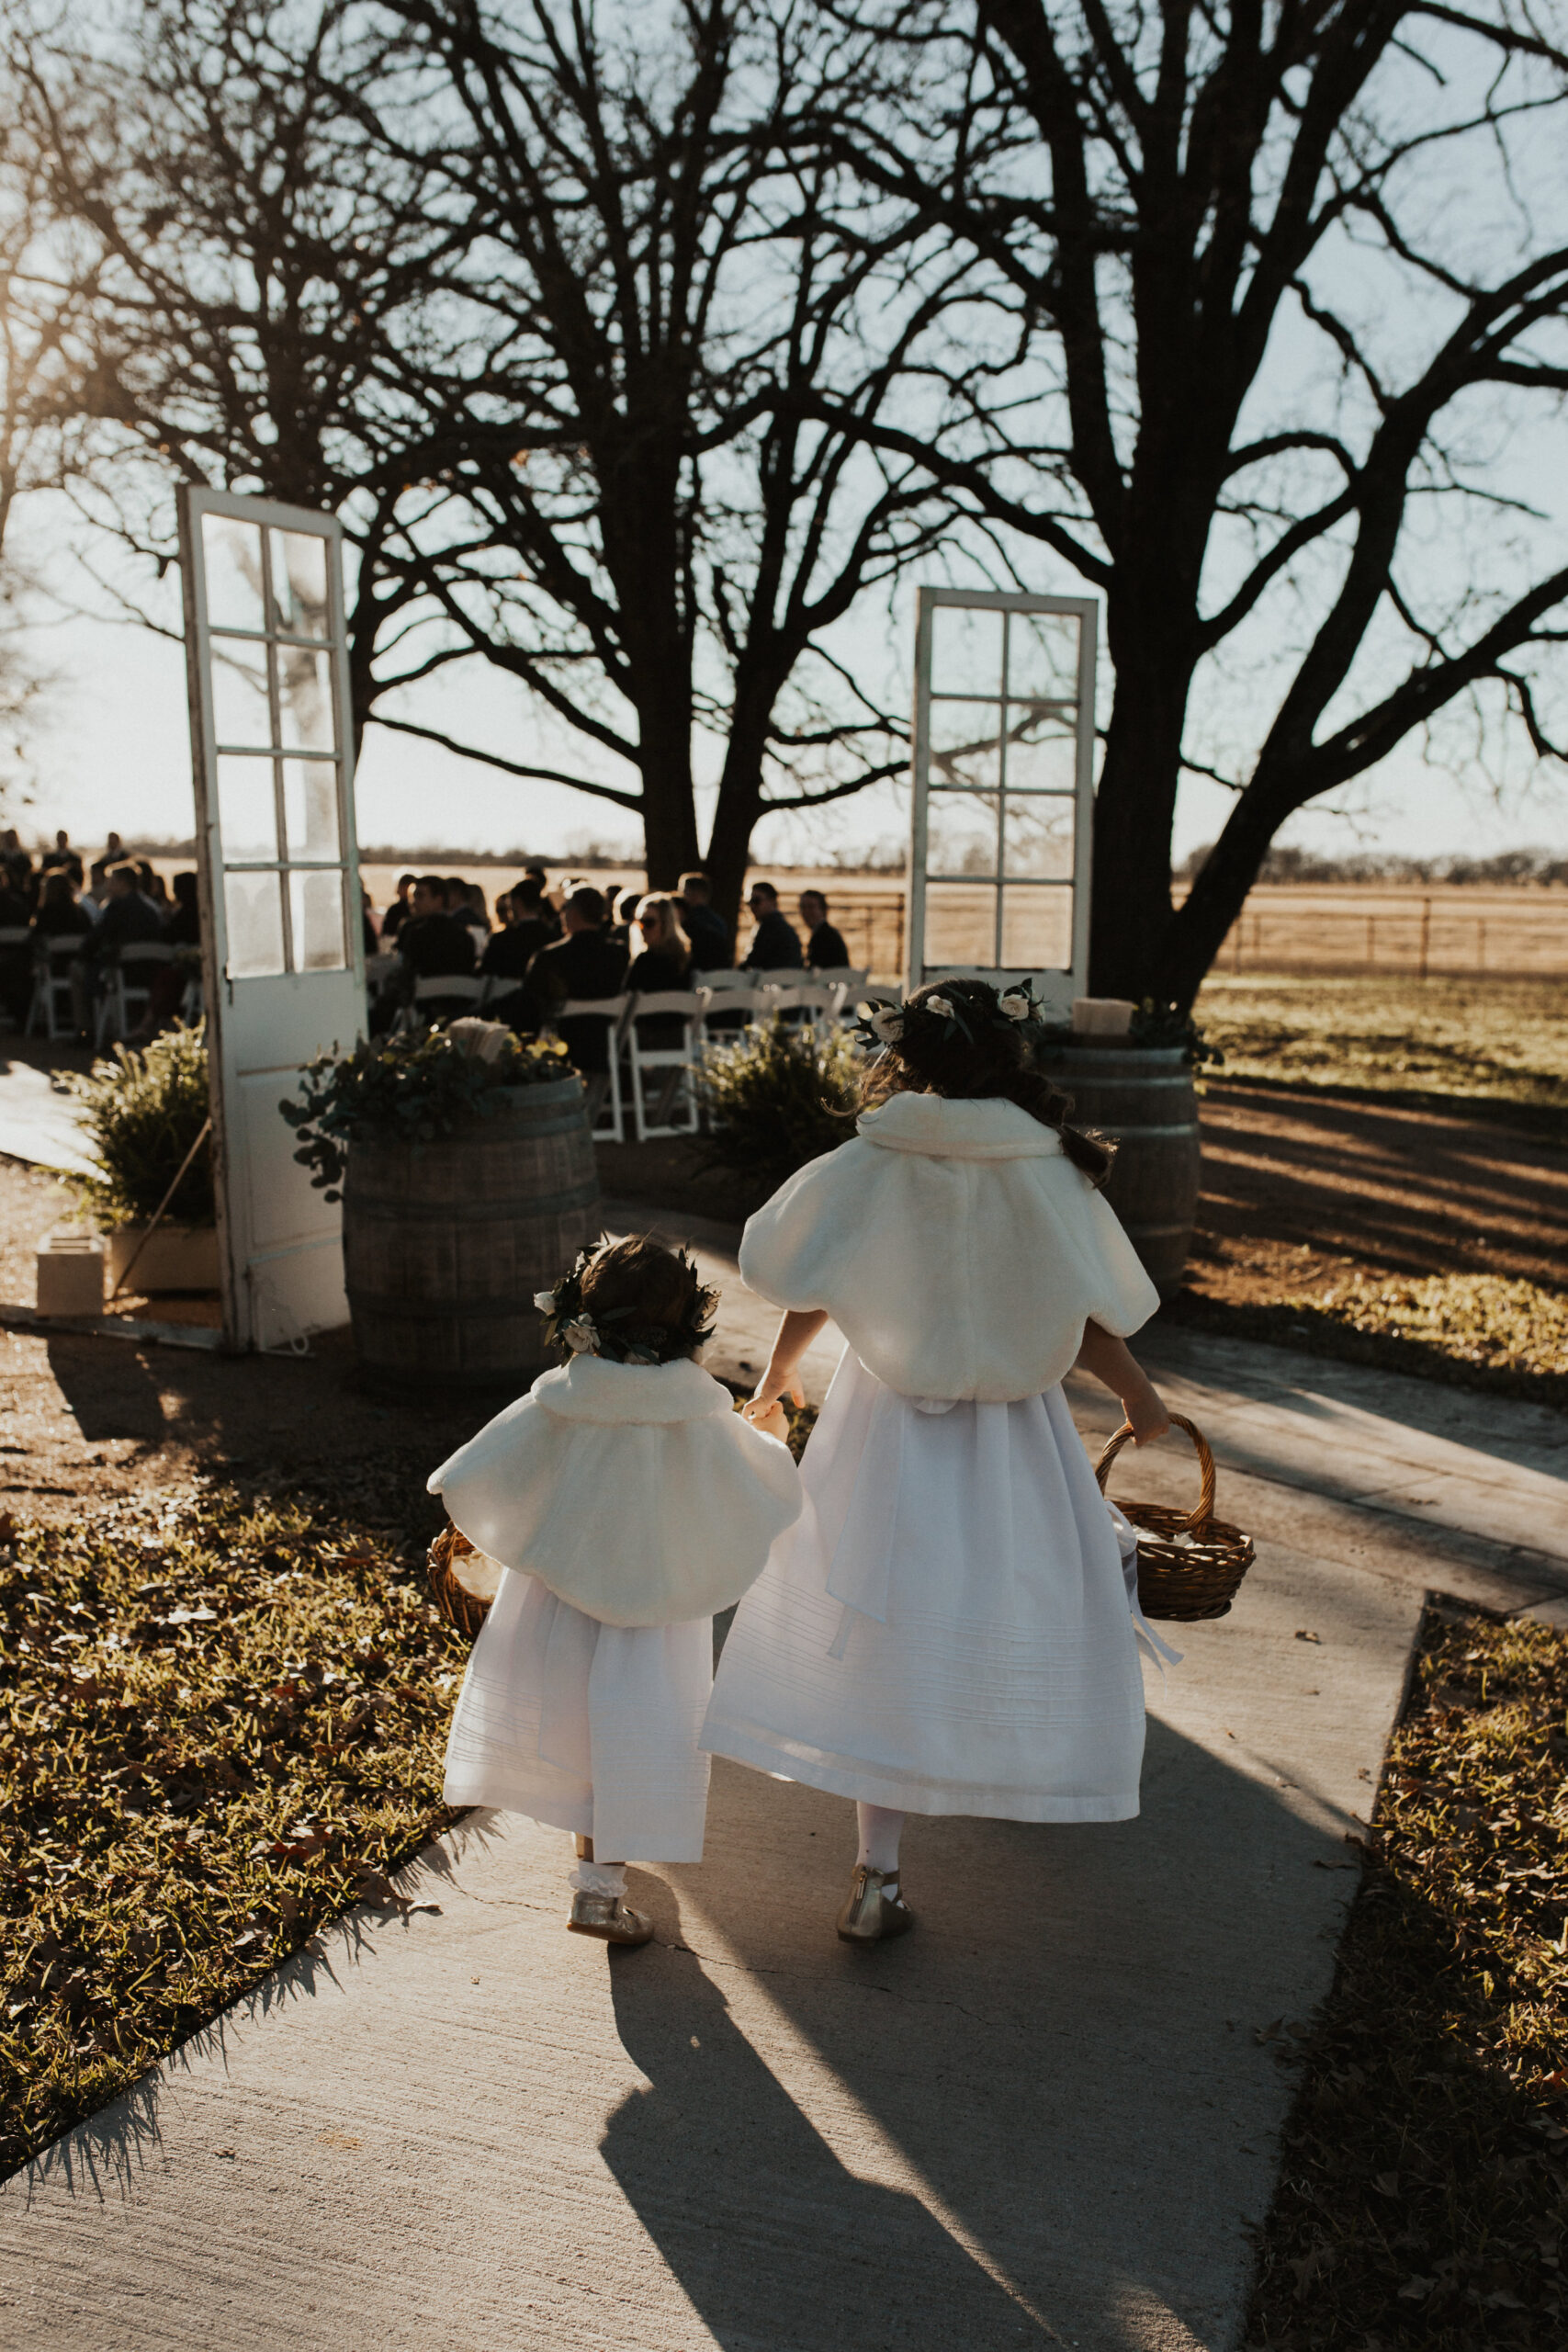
point(1190, 1564)
point(461, 1607)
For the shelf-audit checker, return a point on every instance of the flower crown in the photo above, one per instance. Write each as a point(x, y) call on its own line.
point(616, 1335)
point(883, 1025)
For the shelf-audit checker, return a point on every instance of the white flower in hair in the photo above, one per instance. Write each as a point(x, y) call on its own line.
point(545, 1301)
point(888, 1023)
point(1016, 1005)
point(939, 1004)
point(580, 1337)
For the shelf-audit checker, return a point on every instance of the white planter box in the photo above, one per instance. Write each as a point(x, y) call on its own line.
point(70, 1275)
point(178, 1257)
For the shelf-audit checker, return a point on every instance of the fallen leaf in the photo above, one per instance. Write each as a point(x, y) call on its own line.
point(1267, 2032)
point(1387, 2183)
point(1302, 1635)
point(1417, 2290)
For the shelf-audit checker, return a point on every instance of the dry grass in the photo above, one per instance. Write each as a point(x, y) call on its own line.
point(1470, 1330)
point(221, 1721)
point(1500, 1040)
point(1424, 2193)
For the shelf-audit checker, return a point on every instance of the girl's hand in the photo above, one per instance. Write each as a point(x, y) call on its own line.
point(1145, 1409)
point(768, 1391)
point(772, 1420)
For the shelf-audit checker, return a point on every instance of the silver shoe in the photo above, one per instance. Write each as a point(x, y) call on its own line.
point(872, 1915)
point(610, 1917)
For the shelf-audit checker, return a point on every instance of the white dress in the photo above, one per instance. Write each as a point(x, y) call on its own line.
point(950, 1625)
point(635, 1491)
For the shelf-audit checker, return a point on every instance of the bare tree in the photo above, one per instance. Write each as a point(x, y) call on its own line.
point(1268, 290)
point(537, 298)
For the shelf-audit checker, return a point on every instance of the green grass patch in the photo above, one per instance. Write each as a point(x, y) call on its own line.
point(221, 1722)
point(1497, 1041)
point(1424, 2192)
point(1470, 1330)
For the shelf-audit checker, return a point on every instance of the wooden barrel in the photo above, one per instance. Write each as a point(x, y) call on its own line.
point(445, 1243)
point(1144, 1096)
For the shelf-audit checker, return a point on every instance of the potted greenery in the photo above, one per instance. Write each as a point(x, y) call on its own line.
point(464, 1161)
point(776, 1098)
point(143, 1114)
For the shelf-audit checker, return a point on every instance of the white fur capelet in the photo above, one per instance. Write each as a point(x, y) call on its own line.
point(634, 1491)
point(955, 1246)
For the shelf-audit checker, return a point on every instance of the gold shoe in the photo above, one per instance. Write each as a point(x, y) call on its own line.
point(872, 1915)
point(610, 1917)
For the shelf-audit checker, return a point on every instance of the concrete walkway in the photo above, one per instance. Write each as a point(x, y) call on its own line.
point(1049, 2116)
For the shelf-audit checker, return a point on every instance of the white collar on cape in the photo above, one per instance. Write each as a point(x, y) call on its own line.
point(591, 1388)
point(988, 1128)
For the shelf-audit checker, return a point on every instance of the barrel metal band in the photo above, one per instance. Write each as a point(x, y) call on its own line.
point(385, 1212)
point(441, 1310)
point(1114, 1127)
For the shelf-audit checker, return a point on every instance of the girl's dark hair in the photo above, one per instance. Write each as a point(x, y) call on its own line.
point(977, 1054)
point(655, 1295)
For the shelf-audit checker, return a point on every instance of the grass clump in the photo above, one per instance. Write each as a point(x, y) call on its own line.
point(141, 1114)
point(1423, 2191)
point(1501, 1041)
point(777, 1097)
point(1472, 1330)
point(221, 1721)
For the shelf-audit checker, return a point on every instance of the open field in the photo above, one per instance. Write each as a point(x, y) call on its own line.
point(1499, 1041)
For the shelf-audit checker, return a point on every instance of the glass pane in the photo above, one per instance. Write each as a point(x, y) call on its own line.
point(1038, 840)
point(961, 835)
point(305, 699)
point(965, 746)
point(232, 557)
point(299, 583)
point(247, 813)
point(1043, 656)
point(961, 923)
point(315, 908)
point(966, 650)
point(1037, 929)
point(253, 907)
point(242, 714)
point(310, 807)
point(1042, 751)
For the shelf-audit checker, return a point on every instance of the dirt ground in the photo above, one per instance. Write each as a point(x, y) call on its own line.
point(1297, 1187)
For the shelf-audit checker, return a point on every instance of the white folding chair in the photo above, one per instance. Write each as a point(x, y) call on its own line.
point(128, 987)
point(674, 1111)
point(51, 1008)
point(503, 997)
point(727, 1013)
point(724, 976)
point(809, 1002)
point(606, 1107)
point(840, 977)
point(455, 992)
point(786, 976)
point(380, 970)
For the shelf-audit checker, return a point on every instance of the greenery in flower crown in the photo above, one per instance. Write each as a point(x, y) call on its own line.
point(412, 1089)
point(573, 1330)
point(881, 1024)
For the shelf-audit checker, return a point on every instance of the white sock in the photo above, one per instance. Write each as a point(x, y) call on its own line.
point(880, 1829)
point(600, 1878)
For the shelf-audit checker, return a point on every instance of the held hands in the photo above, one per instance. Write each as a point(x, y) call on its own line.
point(770, 1419)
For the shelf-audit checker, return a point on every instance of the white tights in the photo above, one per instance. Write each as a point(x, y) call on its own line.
point(880, 1829)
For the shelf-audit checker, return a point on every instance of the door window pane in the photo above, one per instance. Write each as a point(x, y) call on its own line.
point(315, 910)
point(966, 650)
point(252, 907)
point(1042, 754)
point(960, 924)
point(232, 557)
point(960, 833)
point(247, 813)
point(299, 583)
point(1037, 928)
point(309, 809)
point(965, 746)
point(1037, 839)
point(1043, 656)
point(305, 699)
point(242, 714)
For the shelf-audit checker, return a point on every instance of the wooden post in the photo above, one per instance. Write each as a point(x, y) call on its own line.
point(1426, 936)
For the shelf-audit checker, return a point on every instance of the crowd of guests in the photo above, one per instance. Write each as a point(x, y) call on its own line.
point(542, 954)
point(116, 902)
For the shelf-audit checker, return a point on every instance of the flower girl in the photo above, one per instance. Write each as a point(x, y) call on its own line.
point(626, 1501)
point(951, 1626)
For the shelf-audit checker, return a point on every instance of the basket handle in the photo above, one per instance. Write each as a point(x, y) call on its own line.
point(1196, 1520)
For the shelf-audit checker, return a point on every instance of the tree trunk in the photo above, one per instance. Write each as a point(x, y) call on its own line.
point(1130, 909)
point(1197, 930)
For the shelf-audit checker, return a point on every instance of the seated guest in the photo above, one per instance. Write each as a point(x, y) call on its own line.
point(433, 942)
point(467, 901)
point(367, 918)
point(776, 948)
point(708, 932)
point(825, 949)
point(126, 918)
point(665, 962)
point(17, 954)
point(182, 930)
point(548, 915)
point(395, 913)
point(624, 918)
point(152, 887)
point(584, 964)
point(509, 953)
point(59, 914)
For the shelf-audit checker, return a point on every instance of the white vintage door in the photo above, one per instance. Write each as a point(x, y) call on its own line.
point(1002, 804)
point(283, 963)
